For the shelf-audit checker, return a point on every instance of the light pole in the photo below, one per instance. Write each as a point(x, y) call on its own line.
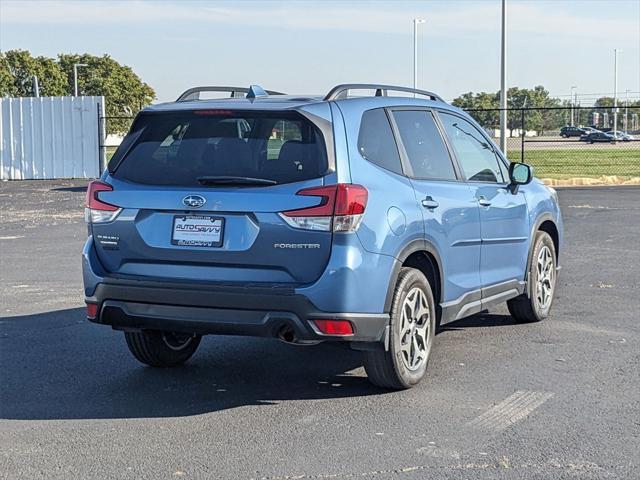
point(503, 81)
point(626, 110)
point(416, 22)
point(75, 76)
point(573, 104)
point(615, 90)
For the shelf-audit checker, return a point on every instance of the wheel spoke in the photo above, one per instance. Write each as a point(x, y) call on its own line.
point(417, 305)
point(416, 351)
point(405, 347)
point(405, 324)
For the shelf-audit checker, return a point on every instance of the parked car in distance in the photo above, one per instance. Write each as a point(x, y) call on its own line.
point(622, 136)
point(570, 131)
point(587, 131)
point(361, 220)
point(599, 137)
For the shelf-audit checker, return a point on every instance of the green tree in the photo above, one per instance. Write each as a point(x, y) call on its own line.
point(485, 106)
point(517, 98)
point(6, 79)
point(541, 120)
point(125, 93)
point(604, 102)
point(18, 68)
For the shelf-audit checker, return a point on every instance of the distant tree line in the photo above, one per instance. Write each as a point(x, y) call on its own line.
point(540, 121)
point(125, 93)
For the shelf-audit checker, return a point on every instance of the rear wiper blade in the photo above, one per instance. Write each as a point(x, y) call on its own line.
point(227, 180)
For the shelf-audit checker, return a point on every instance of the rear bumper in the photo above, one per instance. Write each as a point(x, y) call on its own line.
point(224, 310)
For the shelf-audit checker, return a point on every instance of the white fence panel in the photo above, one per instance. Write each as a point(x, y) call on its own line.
point(50, 137)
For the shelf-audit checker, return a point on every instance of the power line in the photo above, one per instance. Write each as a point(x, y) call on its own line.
point(602, 94)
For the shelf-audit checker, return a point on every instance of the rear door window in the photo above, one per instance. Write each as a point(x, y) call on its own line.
point(376, 142)
point(427, 154)
point(177, 148)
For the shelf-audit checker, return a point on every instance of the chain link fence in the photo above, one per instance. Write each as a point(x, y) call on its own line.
point(565, 142)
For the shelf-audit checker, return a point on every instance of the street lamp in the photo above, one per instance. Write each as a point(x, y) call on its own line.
point(572, 102)
point(75, 76)
point(616, 51)
point(416, 22)
point(503, 81)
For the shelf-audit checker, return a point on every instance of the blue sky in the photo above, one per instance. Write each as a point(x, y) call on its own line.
point(307, 46)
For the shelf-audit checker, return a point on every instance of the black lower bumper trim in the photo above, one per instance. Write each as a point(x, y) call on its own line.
point(204, 310)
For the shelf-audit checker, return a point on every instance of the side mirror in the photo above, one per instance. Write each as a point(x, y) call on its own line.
point(519, 174)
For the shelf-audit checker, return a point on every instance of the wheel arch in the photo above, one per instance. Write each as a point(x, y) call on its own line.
point(549, 226)
point(424, 257)
point(544, 223)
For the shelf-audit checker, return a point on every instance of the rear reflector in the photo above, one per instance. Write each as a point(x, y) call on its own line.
point(340, 209)
point(334, 327)
point(92, 310)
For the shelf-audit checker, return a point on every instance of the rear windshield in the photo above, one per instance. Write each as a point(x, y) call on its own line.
point(177, 148)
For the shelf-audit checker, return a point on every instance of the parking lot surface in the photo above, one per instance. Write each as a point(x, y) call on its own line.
point(558, 399)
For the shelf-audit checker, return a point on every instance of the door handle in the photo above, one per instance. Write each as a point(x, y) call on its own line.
point(429, 203)
point(483, 201)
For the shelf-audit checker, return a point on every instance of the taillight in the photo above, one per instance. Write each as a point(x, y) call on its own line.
point(334, 327)
point(97, 211)
point(340, 209)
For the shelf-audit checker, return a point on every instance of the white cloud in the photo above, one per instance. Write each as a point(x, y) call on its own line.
point(459, 20)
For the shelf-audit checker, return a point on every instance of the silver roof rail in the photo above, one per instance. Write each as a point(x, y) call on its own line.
point(255, 90)
point(342, 91)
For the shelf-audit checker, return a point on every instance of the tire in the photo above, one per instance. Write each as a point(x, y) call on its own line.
point(535, 305)
point(161, 349)
point(410, 342)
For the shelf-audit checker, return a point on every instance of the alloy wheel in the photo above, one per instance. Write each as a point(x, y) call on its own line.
point(415, 329)
point(546, 277)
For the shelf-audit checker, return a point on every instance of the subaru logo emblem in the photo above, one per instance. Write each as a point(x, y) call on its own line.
point(194, 201)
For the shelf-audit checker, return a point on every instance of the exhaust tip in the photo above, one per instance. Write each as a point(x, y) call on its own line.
point(287, 334)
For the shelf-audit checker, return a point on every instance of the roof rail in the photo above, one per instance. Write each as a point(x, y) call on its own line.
point(194, 93)
point(342, 91)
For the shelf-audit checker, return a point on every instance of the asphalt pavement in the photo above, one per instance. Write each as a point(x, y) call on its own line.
point(558, 399)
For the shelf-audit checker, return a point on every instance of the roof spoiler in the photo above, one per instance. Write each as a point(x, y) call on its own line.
point(254, 91)
point(342, 91)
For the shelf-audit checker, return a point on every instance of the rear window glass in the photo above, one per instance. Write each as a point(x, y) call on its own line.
point(177, 148)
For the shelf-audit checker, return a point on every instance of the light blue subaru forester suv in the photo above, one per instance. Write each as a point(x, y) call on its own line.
point(367, 216)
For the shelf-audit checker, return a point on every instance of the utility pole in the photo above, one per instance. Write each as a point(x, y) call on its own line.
point(75, 76)
point(416, 22)
point(626, 110)
point(615, 90)
point(503, 81)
